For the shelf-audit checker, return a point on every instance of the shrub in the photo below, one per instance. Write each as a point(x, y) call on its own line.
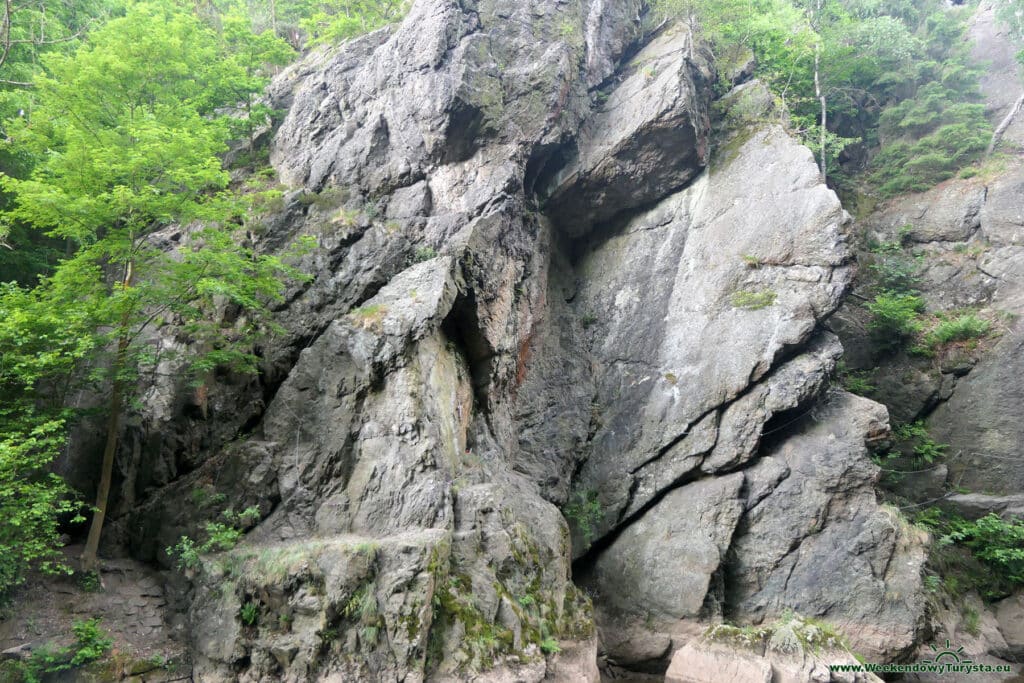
point(32, 501)
point(994, 548)
point(423, 254)
point(963, 328)
point(584, 511)
point(893, 273)
point(894, 318)
point(996, 542)
point(915, 435)
point(219, 537)
point(250, 613)
point(549, 646)
point(91, 642)
point(855, 381)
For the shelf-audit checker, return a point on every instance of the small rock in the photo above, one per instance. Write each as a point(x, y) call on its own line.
point(18, 652)
point(1010, 615)
point(284, 654)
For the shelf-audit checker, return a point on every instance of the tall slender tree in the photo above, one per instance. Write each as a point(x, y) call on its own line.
point(132, 135)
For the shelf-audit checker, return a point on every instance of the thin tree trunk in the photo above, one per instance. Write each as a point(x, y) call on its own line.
point(998, 134)
point(92, 543)
point(821, 98)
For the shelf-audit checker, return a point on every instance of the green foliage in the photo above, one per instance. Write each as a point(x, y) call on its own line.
point(894, 319)
point(790, 633)
point(124, 139)
point(932, 137)
point(89, 581)
point(362, 608)
point(962, 328)
point(220, 537)
point(995, 547)
point(423, 254)
point(91, 644)
point(855, 381)
point(998, 543)
point(332, 21)
point(549, 646)
point(482, 640)
point(249, 613)
point(895, 78)
point(752, 301)
point(913, 437)
point(32, 501)
point(890, 270)
point(30, 31)
point(362, 604)
point(584, 512)
point(41, 346)
point(972, 621)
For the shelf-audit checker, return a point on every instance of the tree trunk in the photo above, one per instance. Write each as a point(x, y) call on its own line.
point(821, 98)
point(92, 543)
point(89, 558)
point(1001, 129)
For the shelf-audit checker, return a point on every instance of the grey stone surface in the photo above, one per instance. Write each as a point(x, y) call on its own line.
point(675, 282)
point(1009, 614)
point(670, 555)
point(982, 420)
point(648, 138)
point(709, 661)
point(820, 544)
point(950, 212)
point(464, 361)
point(975, 505)
point(1001, 82)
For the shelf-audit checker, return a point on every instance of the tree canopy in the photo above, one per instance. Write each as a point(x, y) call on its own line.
point(903, 110)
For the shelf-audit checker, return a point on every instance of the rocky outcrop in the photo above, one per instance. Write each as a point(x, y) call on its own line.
point(655, 112)
point(667, 288)
point(962, 243)
point(762, 657)
point(815, 540)
point(981, 419)
point(559, 332)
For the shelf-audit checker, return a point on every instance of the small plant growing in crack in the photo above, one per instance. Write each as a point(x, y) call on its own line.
point(250, 613)
point(584, 512)
point(753, 301)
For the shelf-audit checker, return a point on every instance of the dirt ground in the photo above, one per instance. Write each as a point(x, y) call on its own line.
point(130, 605)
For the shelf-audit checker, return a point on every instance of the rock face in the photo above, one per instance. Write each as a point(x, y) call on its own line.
point(966, 243)
point(702, 661)
point(656, 112)
point(982, 418)
point(815, 540)
point(966, 239)
point(554, 317)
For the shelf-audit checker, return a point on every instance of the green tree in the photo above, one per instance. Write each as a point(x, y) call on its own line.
point(250, 55)
point(41, 346)
point(29, 30)
point(880, 86)
point(131, 133)
point(332, 21)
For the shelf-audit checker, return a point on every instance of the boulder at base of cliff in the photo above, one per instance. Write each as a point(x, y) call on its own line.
point(791, 650)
